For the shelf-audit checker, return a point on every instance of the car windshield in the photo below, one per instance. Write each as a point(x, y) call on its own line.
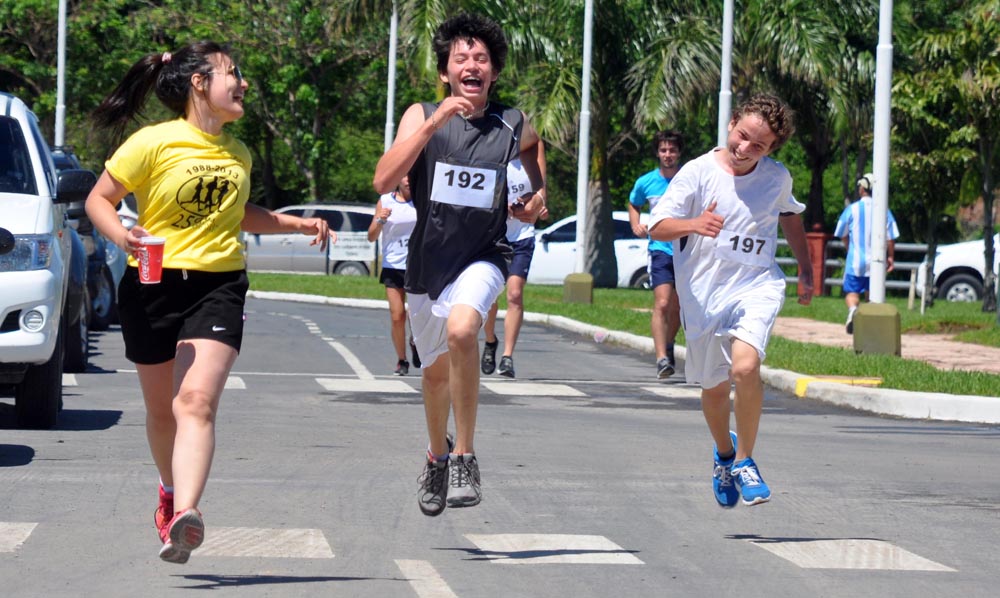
point(15, 163)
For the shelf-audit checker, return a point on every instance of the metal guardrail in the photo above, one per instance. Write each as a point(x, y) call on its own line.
point(836, 247)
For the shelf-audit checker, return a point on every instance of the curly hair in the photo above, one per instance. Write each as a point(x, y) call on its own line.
point(778, 116)
point(470, 27)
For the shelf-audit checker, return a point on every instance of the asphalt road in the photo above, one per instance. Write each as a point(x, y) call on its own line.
point(596, 483)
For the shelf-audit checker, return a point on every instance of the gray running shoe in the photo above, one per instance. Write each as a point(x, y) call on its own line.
point(489, 360)
point(506, 367)
point(464, 489)
point(433, 492)
point(664, 368)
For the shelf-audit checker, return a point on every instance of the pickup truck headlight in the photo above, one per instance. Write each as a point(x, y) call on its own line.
point(31, 252)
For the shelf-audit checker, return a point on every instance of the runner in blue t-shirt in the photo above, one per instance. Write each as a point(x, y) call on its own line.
point(648, 188)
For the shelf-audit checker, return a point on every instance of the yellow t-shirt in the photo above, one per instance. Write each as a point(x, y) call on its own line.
point(191, 188)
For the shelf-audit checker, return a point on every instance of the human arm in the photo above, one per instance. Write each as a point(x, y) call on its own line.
point(101, 209)
point(890, 258)
point(795, 234)
point(260, 220)
point(706, 224)
point(378, 220)
point(638, 228)
point(533, 160)
point(413, 134)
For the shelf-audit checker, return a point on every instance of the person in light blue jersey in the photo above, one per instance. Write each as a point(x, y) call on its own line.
point(854, 227)
point(648, 189)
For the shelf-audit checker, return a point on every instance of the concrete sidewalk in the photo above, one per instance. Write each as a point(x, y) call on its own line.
point(935, 349)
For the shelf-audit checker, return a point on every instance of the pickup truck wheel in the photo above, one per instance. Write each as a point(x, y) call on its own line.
point(77, 348)
point(961, 287)
point(39, 395)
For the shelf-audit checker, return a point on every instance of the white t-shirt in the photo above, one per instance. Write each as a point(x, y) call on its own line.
point(396, 231)
point(715, 275)
point(518, 184)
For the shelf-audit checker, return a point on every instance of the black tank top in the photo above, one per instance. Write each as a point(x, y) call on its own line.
point(459, 187)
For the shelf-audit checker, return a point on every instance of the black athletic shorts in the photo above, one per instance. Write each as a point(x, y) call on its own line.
point(187, 304)
point(392, 278)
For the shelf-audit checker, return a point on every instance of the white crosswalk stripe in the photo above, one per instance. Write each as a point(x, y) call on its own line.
point(354, 385)
point(537, 549)
point(13, 535)
point(265, 543)
point(532, 389)
point(848, 554)
point(235, 383)
point(424, 579)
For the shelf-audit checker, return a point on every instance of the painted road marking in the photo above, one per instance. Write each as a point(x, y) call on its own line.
point(262, 542)
point(235, 383)
point(352, 385)
point(352, 360)
point(532, 389)
point(539, 549)
point(69, 380)
point(802, 384)
point(674, 392)
point(13, 535)
point(424, 579)
point(848, 554)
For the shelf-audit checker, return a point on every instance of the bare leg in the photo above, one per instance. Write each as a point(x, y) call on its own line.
point(715, 406)
point(749, 396)
point(200, 371)
point(397, 313)
point(658, 323)
point(157, 383)
point(515, 314)
point(673, 314)
point(463, 351)
point(437, 402)
point(490, 326)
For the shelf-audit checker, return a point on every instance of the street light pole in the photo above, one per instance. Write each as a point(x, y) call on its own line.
point(880, 151)
point(390, 104)
point(726, 82)
point(60, 136)
point(583, 153)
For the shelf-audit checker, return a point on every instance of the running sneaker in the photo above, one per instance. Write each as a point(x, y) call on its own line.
point(752, 487)
point(185, 533)
point(433, 493)
point(664, 368)
point(489, 361)
point(506, 367)
point(723, 485)
point(164, 512)
point(416, 357)
point(402, 368)
point(464, 489)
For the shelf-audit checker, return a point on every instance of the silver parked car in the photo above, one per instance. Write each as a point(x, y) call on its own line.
point(352, 254)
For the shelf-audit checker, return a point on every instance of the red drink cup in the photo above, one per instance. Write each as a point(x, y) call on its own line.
point(150, 257)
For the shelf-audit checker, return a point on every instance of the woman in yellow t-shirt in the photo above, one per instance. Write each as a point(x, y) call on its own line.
point(191, 181)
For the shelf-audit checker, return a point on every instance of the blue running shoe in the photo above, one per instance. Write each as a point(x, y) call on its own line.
point(752, 487)
point(722, 479)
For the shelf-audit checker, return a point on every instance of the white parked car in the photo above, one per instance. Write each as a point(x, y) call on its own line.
point(959, 270)
point(40, 325)
point(352, 254)
point(555, 253)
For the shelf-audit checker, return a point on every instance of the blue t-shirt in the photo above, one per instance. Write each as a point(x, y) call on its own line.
point(647, 190)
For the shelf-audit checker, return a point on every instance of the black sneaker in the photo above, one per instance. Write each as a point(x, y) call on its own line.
point(416, 358)
point(506, 367)
point(489, 361)
point(664, 368)
point(464, 489)
point(433, 493)
point(850, 322)
point(402, 367)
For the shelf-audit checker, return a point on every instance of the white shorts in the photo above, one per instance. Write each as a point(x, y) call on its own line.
point(709, 357)
point(478, 286)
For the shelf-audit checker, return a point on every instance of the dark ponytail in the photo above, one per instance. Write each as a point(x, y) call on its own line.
point(168, 73)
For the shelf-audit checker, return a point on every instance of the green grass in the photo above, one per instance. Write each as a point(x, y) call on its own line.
point(628, 310)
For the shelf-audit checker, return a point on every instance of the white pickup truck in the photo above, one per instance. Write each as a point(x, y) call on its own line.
point(35, 266)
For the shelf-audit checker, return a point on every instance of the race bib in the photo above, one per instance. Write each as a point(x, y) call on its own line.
point(745, 248)
point(461, 185)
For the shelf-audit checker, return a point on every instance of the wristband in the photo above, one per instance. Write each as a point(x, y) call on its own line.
point(381, 220)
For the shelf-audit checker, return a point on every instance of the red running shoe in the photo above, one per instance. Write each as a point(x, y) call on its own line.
point(185, 533)
point(164, 513)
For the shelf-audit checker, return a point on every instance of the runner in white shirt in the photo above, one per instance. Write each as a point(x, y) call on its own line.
point(723, 209)
point(392, 224)
point(521, 237)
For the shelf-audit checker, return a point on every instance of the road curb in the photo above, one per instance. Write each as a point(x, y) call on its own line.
point(883, 401)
